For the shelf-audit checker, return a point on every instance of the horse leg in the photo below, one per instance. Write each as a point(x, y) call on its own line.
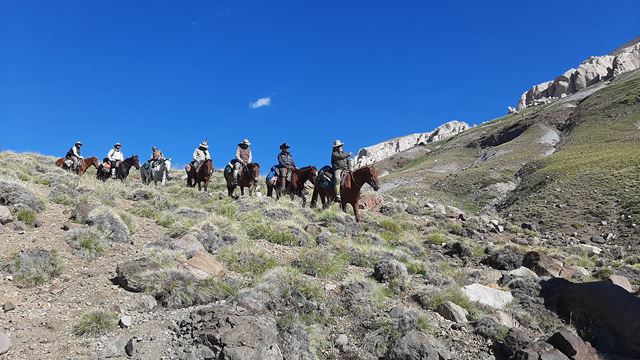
point(314, 197)
point(355, 211)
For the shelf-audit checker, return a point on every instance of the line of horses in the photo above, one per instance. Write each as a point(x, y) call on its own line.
point(248, 178)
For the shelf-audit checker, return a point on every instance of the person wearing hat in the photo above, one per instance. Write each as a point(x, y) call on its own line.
point(73, 155)
point(339, 163)
point(286, 165)
point(156, 155)
point(115, 156)
point(200, 155)
point(242, 159)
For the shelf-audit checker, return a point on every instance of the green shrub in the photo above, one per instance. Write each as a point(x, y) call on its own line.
point(178, 288)
point(455, 228)
point(27, 216)
point(96, 323)
point(434, 299)
point(246, 259)
point(272, 234)
point(88, 241)
point(227, 210)
point(437, 238)
point(390, 225)
point(321, 263)
point(129, 221)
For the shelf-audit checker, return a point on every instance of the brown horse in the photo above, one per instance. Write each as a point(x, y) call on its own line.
point(83, 167)
point(350, 195)
point(201, 176)
point(248, 178)
point(299, 178)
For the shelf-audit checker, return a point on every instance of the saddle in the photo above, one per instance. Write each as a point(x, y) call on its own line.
point(326, 179)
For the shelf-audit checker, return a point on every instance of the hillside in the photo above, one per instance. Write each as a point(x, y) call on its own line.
point(492, 244)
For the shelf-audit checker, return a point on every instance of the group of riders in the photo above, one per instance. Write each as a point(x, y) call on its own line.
point(284, 168)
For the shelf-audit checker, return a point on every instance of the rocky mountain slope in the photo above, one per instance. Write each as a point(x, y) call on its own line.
point(378, 152)
point(516, 239)
point(592, 71)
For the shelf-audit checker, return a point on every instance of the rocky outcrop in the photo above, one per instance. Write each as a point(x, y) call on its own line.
point(375, 153)
point(591, 71)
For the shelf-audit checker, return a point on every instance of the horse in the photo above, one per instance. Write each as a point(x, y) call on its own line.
point(248, 178)
point(299, 178)
point(159, 172)
point(200, 176)
point(348, 194)
point(122, 169)
point(82, 167)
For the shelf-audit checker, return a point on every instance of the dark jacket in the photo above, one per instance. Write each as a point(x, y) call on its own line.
point(70, 154)
point(339, 160)
point(285, 159)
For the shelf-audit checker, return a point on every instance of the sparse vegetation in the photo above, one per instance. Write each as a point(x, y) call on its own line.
point(34, 267)
point(246, 258)
point(321, 263)
point(437, 238)
point(27, 216)
point(95, 323)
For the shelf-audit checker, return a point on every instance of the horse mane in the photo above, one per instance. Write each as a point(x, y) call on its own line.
point(307, 168)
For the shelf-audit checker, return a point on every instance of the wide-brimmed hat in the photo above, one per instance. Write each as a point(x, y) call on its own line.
point(154, 148)
point(117, 144)
point(79, 143)
point(284, 146)
point(337, 143)
point(245, 142)
point(204, 144)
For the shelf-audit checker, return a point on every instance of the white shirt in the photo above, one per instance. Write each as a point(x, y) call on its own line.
point(75, 153)
point(115, 155)
point(200, 155)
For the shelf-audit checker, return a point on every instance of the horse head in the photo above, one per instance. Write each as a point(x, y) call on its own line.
point(135, 162)
point(254, 170)
point(373, 178)
point(94, 161)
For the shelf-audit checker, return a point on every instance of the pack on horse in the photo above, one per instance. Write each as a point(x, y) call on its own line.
point(156, 171)
point(349, 189)
point(200, 176)
point(122, 168)
point(247, 178)
point(85, 164)
point(296, 186)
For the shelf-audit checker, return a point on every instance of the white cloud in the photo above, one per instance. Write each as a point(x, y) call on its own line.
point(265, 101)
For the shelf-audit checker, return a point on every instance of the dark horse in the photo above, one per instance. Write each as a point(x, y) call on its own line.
point(122, 169)
point(200, 176)
point(83, 167)
point(299, 178)
point(349, 189)
point(248, 178)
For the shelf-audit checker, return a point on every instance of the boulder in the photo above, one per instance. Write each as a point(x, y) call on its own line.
point(128, 274)
point(453, 312)
point(234, 333)
point(5, 344)
point(370, 202)
point(573, 346)
point(504, 259)
point(391, 271)
point(621, 281)
point(416, 345)
point(523, 272)
point(609, 313)
point(540, 351)
point(5, 215)
point(203, 265)
point(125, 321)
point(591, 249)
point(504, 319)
point(488, 296)
point(545, 265)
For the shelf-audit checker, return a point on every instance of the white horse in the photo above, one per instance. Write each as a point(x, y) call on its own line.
point(158, 173)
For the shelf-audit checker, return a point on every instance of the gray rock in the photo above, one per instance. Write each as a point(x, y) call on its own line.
point(115, 348)
point(5, 215)
point(18, 226)
point(573, 346)
point(129, 348)
point(81, 212)
point(125, 322)
point(417, 345)
point(523, 272)
point(233, 333)
point(323, 238)
point(504, 259)
point(5, 344)
point(313, 229)
point(129, 273)
point(342, 341)
point(453, 312)
point(619, 280)
point(488, 296)
point(8, 306)
point(597, 239)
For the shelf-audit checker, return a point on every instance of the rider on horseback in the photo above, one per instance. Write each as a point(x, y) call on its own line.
point(115, 156)
point(242, 159)
point(73, 155)
point(286, 165)
point(339, 163)
point(156, 158)
point(200, 155)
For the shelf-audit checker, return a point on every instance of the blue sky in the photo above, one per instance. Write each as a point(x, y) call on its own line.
point(172, 73)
